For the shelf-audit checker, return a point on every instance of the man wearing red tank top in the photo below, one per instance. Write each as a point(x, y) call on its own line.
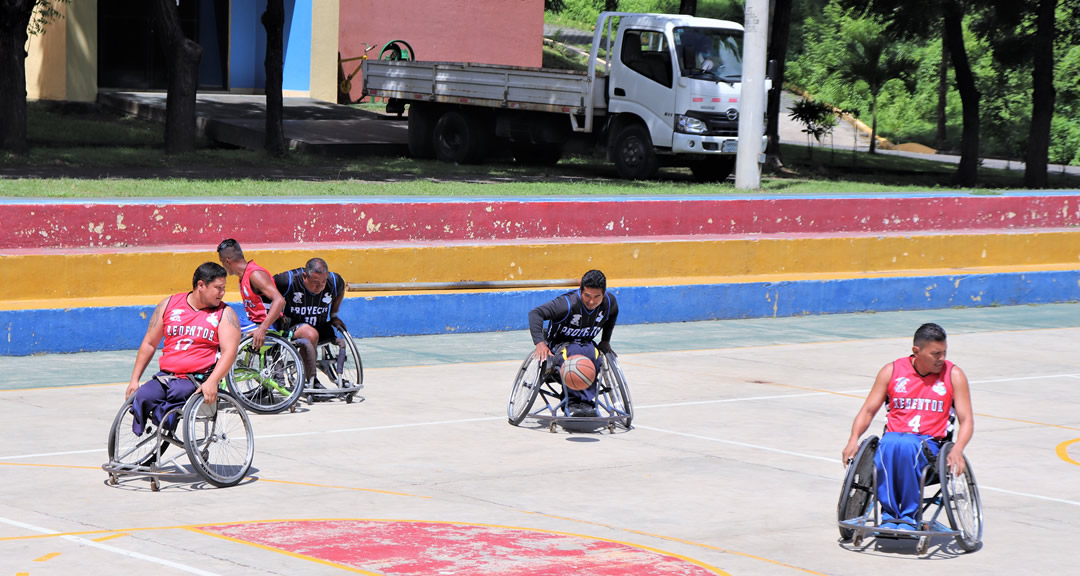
point(920, 391)
point(256, 288)
point(196, 327)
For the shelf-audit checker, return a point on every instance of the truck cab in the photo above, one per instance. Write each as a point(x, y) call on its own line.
point(677, 80)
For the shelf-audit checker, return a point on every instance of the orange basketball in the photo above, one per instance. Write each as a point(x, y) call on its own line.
point(578, 372)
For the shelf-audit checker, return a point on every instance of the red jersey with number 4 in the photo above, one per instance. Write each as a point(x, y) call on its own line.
point(253, 303)
point(919, 404)
point(191, 336)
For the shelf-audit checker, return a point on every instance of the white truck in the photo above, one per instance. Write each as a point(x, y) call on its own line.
point(670, 96)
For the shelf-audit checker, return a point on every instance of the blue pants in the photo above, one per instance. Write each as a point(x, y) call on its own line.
point(588, 350)
point(900, 459)
point(154, 398)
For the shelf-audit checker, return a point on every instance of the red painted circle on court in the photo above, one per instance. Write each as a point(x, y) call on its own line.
point(428, 548)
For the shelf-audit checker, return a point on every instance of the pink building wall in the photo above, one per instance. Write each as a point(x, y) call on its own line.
point(485, 31)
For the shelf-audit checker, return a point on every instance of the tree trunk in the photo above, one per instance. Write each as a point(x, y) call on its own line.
point(1042, 106)
point(14, 19)
point(873, 123)
point(967, 172)
point(778, 46)
point(182, 56)
point(688, 7)
point(274, 22)
point(611, 5)
point(942, 93)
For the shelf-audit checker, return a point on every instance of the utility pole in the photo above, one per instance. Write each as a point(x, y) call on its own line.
point(752, 98)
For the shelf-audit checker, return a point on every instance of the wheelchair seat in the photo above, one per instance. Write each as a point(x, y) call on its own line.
point(858, 510)
point(539, 380)
point(217, 439)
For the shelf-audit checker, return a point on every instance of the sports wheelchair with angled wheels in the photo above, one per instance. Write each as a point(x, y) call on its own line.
point(541, 380)
point(217, 440)
point(859, 514)
point(269, 379)
point(339, 371)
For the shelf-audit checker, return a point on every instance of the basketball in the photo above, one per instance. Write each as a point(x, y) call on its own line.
point(578, 372)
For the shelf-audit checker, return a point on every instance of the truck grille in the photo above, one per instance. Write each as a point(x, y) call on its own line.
point(717, 122)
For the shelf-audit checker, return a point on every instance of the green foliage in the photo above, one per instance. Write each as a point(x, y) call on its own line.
point(583, 13)
point(817, 118)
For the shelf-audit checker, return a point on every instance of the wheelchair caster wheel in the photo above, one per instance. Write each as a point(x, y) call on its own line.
point(552, 428)
point(112, 480)
point(154, 486)
point(292, 409)
point(349, 398)
point(923, 546)
point(611, 428)
point(857, 538)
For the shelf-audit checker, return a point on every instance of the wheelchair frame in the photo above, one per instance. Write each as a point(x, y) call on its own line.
point(205, 438)
point(348, 382)
point(859, 514)
point(540, 380)
point(273, 374)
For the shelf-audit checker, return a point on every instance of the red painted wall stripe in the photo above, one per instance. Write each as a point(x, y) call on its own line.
point(90, 225)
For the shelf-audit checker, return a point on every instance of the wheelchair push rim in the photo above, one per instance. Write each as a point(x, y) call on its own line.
point(268, 380)
point(525, 389)
point(218, 439)
point(337, 376)
point(857, 494)
point(962, 502)
point(128, 452)
point(622, 407)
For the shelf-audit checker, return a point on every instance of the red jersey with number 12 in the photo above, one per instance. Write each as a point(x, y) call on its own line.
point(191, 336)
point(253, 303)
point(919, 404)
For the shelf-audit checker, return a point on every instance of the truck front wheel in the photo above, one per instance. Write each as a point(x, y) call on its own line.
point(635, 158)
point(459, 138)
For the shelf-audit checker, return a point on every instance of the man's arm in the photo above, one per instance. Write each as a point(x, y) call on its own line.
point(557, 308)
point(264, 285)
point(228, 342)
point(965, 419)
point(155, 331)
point(874, 400)
point(609, 327)
point(336, 322)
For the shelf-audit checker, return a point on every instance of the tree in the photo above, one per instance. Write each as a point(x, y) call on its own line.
point(1042, 98)
point(182, 57)
point(274, 22)
point(18, 21)
point(688, 7)
point(818, 120)
point(778, 48)
point(968, 170)
point(874, 57)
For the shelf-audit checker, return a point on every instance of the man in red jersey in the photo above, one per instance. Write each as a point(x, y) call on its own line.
point(256, 288)
point(920, 391)
point(196, 326)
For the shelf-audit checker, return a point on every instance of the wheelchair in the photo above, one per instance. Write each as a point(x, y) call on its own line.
point(217, 440)
point(541, 380)
point(859, 514)
point(270, 379)
point(339, 371)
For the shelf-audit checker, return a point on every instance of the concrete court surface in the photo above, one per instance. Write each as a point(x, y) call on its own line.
point(733, 466)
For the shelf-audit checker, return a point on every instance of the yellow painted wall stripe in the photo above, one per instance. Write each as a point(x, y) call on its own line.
point(91, 275)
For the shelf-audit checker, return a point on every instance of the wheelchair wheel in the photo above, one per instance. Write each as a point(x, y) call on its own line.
point(339, 370)
point(268, 380)
point(218, 439)
point(961, 500)
point(855, 498)
point(620, 390)
point(125, 447)
point(525, 390)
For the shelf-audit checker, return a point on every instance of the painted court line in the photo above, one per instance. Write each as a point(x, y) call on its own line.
point(113, 549)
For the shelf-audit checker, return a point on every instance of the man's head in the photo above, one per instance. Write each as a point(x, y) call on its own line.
point(232, 257)
point(929, 348)
point(315, 275)
point(208, 285)
point(593, 287)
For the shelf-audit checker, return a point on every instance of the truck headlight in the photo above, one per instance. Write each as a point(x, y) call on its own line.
point(689, 125)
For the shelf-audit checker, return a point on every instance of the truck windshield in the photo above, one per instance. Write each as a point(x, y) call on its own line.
point(709, 53)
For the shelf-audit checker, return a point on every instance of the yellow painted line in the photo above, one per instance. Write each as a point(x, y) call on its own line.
point(345, 567)
point(1063, 451)
point(47, 557)
point(376, 491)
point(111, 537)
point(679, 540)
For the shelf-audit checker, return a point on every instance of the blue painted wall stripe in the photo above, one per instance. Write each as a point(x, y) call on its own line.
point(122, 328)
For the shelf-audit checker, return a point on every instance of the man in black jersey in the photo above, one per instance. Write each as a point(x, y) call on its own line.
point(575, 319)
point(312, 295)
